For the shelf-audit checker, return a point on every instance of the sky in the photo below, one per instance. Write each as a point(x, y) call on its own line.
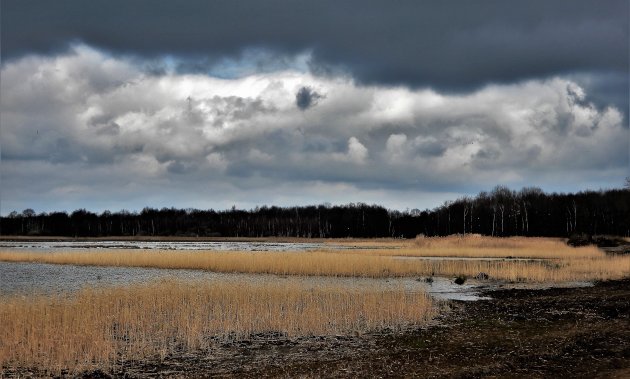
point(213, 104)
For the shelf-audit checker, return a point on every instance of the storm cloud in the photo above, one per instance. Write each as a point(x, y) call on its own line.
point(98, 130)
point(446, 45)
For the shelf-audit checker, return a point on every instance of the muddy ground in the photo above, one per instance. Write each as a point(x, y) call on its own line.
point(562, 332)
point(574, 332)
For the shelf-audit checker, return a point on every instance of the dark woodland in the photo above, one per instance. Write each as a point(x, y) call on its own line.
point(501, 212)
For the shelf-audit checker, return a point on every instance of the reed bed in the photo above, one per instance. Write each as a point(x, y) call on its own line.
point(98, 328)
point(465, 252)
point(355, 263)
point(281, 263)
point(473, 245)
point(479, 241)
point(392, 243)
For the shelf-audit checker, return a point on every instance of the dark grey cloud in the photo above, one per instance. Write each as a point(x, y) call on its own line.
point(448, 45)
point(606, 89)
point(306, 97)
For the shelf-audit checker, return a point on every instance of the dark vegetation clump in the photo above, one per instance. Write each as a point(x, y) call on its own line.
point(96, 374)
point(428, 279)
point(579, 239)
point(583, 239)
point(607, 241)
point(482, 276)
point(461, 279)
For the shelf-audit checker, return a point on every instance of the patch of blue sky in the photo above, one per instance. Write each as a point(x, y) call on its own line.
point(253, 61)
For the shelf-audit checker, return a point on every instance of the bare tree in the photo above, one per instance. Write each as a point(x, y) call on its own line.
point(465, 214)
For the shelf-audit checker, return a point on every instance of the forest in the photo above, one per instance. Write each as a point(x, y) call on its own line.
point(500, 212)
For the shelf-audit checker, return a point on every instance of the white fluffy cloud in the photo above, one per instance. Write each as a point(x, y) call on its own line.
point(90, 126)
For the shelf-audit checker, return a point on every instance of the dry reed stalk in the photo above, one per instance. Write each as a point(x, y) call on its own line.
point(530, 252)
point(371, 242)
point(96, 328)
point(479, 241)
point(341, 263)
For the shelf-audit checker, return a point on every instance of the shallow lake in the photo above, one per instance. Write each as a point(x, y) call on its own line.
point(32, 278)
point(165, 245)
point(40, 278)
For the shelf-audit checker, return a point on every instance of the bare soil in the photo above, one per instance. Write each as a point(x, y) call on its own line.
point(519, 333)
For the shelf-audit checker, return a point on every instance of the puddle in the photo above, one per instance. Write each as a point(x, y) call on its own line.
point(446, 289)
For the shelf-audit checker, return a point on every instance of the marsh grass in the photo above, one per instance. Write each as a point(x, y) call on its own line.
point(391, 243)
point(99, 328)
point(95, 328)
point(522, 247)
point(573, 264)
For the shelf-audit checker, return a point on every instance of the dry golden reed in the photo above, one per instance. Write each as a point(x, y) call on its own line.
point(568, 264)
point(476, 246)
point(96, 328)
point(524, 247)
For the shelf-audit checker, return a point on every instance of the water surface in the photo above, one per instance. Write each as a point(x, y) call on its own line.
point(164, 245)
point(42, 278)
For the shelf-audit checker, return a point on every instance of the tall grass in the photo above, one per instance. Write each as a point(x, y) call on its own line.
point(523, 247)
point(476, 246)
point(356, 263)
point(97, 328)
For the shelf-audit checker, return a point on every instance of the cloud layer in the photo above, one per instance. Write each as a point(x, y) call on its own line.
point(85, 128)
point(447, 44)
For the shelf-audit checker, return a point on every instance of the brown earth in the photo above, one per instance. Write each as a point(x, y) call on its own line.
point(568, 332)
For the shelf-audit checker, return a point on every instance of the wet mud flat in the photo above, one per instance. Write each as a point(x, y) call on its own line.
point(556, 332)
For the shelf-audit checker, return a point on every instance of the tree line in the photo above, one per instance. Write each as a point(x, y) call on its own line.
point(500, 212)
